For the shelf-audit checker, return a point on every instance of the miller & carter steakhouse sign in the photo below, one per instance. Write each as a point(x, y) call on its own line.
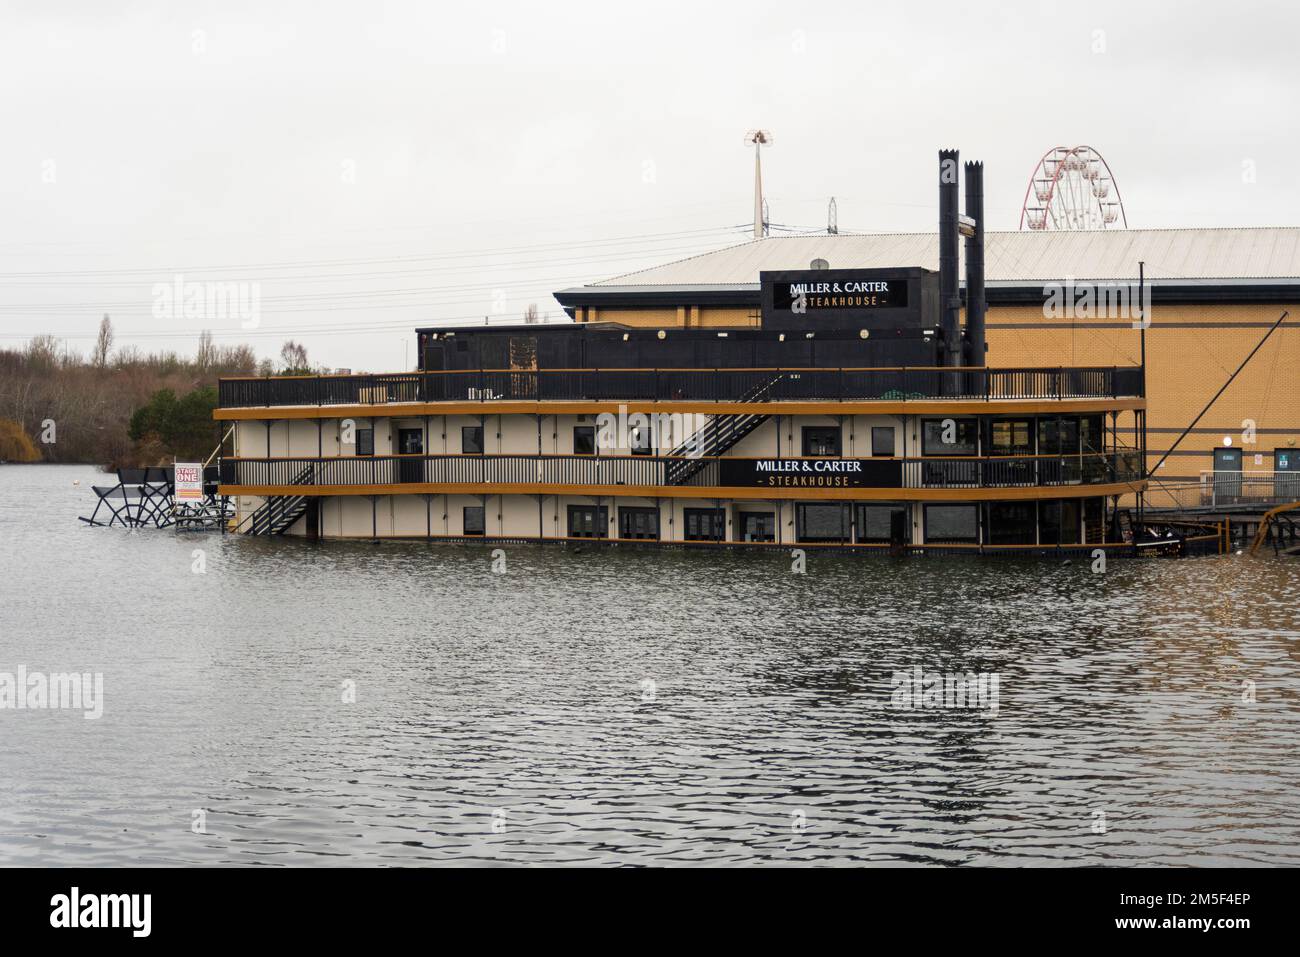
point(847, 298)
point(812, 473)
point(840, 294)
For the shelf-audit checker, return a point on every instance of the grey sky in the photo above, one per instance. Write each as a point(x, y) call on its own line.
point(372, 167)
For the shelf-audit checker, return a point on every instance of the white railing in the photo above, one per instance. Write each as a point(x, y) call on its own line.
point(1248, 488)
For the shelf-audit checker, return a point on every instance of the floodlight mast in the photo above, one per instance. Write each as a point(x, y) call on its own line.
point(758, 139)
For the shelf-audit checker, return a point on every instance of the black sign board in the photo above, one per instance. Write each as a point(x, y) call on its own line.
point(873, 299)
point(811, 473)
point(823, 294)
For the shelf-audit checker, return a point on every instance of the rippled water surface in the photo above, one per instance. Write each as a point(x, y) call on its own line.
point(632, 707)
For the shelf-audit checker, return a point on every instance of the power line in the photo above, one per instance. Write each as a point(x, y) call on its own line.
point(441, 257)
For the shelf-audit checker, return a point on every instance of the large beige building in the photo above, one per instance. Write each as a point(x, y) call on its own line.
point(1214, 293)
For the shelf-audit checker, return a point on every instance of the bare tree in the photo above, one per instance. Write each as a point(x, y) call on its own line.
point(293, 356)
point(42, 352)
point(530, 314)
point(207, 354)
point(103, 343)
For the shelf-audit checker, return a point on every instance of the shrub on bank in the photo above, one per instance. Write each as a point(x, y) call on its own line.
point(15, 444)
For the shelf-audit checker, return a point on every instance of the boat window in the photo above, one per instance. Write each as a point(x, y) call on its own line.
point(821, 440)
point(638, 522)
point(473, 520)
point(588, 521)
point(758, 527)
point(1012, 523)
point(949, 436)
point(823, 522)
point(584, 440)
point(1011, 437)
point(951, 524)
point(705, 524)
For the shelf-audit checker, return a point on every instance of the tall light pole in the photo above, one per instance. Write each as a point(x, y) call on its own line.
point(758, 139)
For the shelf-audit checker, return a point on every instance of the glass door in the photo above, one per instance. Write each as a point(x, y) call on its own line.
point(410, 442)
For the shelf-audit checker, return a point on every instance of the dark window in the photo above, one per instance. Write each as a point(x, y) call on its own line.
point(410, 441)
point(963, 436)
point(1058, 436)
point(882, 523)
point(1094, 519)
point(1058, 522)
point(1092, 433)
point(584, 440)
point(882, 440)
point(639, 440)
point(365, 441)
point(588, 521)
point(474, 520)
point(1012, 523)
point(471, 439)
point(757, 526)
point(705, 524)
point(823, 522)
point(638, 522)
point(821, 440)
point(1011, 437)
point(951, 524)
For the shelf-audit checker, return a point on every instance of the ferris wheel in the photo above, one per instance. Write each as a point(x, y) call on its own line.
point(1072, 188)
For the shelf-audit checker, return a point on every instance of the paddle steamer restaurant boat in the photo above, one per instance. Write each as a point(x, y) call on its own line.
point(847, 408)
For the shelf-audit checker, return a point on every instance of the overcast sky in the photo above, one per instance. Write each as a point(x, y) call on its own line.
point(369, 167)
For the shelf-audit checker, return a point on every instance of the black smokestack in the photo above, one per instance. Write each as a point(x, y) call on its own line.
point(949, 298)
point(975, 304)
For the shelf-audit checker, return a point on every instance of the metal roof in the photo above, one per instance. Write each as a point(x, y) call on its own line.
point(1111, 254)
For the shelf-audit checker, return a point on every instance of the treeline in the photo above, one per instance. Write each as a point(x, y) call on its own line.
point(119, 407)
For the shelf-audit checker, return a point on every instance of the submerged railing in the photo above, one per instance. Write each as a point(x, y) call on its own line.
point(645, 470)
point(710, 385)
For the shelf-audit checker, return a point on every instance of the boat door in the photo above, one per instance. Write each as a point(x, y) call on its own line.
point(410, 442)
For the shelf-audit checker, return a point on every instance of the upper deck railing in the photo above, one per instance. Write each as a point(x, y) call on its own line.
point(708, 385)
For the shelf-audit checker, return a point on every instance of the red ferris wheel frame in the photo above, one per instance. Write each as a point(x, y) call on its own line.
point(1060, 154)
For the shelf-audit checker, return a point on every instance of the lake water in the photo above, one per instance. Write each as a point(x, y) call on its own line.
point(632, 706)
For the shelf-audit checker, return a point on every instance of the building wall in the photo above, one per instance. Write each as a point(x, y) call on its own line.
point(1191, 350)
